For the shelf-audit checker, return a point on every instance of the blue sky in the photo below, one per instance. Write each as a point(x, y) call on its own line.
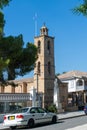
point(69, 30)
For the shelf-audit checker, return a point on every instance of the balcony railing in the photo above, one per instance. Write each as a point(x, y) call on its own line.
point(12, 97)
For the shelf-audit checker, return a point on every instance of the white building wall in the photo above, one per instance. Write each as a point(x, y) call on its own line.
point(57, 95)
point(80, 88)
point(33, 96)
point(56, 92)
point(71, 85)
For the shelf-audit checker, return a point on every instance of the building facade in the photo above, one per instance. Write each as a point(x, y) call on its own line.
point(44, 72)
point(60, 95)
point(43, 89)
point(77, 87)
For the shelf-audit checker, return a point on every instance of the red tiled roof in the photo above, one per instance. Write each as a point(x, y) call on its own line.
point(27, 80)
point(71, 74)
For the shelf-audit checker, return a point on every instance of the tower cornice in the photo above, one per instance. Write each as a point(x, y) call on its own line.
point(44, 36)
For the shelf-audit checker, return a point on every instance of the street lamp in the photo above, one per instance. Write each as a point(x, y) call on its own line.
point(37, 96)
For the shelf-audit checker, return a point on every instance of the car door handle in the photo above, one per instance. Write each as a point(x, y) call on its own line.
point(33, 115)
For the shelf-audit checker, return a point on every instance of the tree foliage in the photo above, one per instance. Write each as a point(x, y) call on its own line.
point(81, 9)
point(21, 59)
point(15, 59)
point(4, 3)
point(2, 22)
point(3, 63)
point(52, 108)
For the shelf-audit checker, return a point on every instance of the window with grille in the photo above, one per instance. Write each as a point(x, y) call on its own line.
point(39, 68)
point(49, 67)
point(79, 83)
point(39, 47)
point(48, 47)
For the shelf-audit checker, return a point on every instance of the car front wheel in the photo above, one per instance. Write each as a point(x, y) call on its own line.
point(13, 127)
point(54, 119)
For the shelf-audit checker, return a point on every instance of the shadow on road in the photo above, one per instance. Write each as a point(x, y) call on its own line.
point(38, 125)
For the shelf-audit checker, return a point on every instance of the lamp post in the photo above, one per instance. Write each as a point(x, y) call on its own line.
point(37, 96)
point(37, 85)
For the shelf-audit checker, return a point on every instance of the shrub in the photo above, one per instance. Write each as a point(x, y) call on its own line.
point(52, 108)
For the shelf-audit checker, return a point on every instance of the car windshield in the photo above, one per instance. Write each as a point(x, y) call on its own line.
point(21, 110)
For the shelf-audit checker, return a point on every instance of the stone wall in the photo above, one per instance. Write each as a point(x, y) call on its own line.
point(63, 89)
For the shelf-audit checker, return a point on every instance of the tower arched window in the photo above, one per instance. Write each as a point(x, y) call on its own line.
point(49, 67)
point(39, 68)
point(85, 82)
point(48, 47)
point(43, 30)
point(39, 47)
point(79, 83)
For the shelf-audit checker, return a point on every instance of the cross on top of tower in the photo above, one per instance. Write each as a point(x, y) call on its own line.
point(44, 24)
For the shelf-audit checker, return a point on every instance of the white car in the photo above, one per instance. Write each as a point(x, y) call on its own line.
point(29, 116)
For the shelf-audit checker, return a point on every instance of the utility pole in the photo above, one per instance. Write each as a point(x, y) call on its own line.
point(37, 85)
point(37, 95)
point(35, 20)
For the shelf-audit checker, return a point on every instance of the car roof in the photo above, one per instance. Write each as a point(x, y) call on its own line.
point(31, 107)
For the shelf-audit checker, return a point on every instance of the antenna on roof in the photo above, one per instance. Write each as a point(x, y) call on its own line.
point(35, 20)
point(44, 24)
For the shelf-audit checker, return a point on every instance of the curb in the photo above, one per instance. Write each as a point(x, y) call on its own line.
point(71, 117)
point(6, 128)
point(2, 127)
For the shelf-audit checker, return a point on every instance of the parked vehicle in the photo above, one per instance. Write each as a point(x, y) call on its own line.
point(12, 108)
point(85, 109)
point(29, 116)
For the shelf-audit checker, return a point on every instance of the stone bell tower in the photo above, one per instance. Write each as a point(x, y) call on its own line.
point(44, 72)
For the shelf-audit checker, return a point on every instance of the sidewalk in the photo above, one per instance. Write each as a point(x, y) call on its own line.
point(66, 115)
point(3, 127)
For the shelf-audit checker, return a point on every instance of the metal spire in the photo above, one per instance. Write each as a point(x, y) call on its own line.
point(35, 20)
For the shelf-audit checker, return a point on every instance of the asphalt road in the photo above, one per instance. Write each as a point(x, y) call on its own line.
point(61, 124)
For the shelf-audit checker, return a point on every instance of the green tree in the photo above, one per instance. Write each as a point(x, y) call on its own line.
point(15, 59)
point(4, 3)
point(2, 22)
point(3, 63)
point(81, 9)
point(21, 59)
point(57, 74)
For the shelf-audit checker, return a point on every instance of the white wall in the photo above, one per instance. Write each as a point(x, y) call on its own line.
point(72, 85)
point(56, 95)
